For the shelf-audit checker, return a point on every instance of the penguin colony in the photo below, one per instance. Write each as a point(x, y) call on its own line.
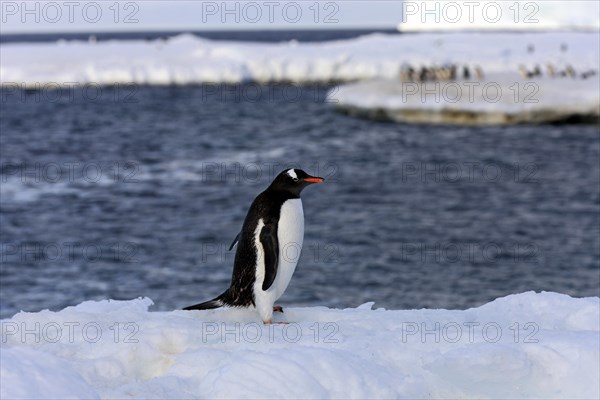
point(553, 72)
point(262, 267)
point(452, 72)
point(449, 72)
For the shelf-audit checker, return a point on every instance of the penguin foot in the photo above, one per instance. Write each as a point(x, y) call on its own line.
point(277, 309)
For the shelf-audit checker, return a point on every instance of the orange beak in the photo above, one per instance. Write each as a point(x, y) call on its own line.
point(313, 179)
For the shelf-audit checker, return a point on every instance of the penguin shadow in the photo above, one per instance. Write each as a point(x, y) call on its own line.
point(278, 309)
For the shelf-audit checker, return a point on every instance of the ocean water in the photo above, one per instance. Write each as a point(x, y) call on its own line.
point(240, 36)
point(122, 192)
point(142, 197)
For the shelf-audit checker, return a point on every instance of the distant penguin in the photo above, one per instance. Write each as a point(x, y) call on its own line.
point(478, 72)
point(588, 74)
point(466, 72)
point(406, 72)
point(551, 70)
point(411, 74)
point(525, 74)
point(403, 75)
point(262, 267)
point(570, 71)
point(423, 74)
point(453, 72)
point(442, 73)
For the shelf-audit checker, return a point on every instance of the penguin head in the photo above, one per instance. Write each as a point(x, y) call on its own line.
point(294, 181)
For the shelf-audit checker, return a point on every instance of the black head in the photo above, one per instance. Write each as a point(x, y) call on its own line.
point(293, 181)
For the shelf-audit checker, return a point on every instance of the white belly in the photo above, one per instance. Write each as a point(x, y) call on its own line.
point(290, 235)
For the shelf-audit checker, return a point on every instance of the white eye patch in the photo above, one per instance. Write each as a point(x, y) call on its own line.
point(292, 173)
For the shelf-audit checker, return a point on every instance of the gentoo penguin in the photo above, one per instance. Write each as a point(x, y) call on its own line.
point(405, 73)
point(570, 71)
point(453, 72)
point(478, 72)
point(530, 48)
point(263, 267)
point(522, 71)
point(466, 72)
point(525, 74)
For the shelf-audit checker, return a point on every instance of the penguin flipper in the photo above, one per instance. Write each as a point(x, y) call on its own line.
point(237, 239)
point(270, 245)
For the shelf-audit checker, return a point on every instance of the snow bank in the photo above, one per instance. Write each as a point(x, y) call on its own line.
point(187, 59)
point(516, 15)
point(531, 345)
point(500, 99)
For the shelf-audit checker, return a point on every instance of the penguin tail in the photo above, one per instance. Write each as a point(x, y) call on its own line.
point(208, 305)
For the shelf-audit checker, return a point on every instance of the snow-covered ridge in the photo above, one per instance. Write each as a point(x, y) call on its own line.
point(530, 345)
point(499, 99)
point(187, 59)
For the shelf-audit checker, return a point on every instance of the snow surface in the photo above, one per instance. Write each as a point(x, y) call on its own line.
point(515, 15)
point(500, 99)
point(530, 345)
point(186, 59)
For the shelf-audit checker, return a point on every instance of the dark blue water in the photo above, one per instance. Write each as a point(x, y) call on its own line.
point(253, 35)
point(140, 192)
